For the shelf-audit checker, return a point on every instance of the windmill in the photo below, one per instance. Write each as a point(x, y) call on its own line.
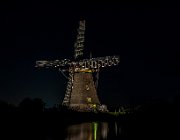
point(81, 91)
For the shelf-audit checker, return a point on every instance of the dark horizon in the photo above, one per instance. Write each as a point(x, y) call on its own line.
point(143, 34)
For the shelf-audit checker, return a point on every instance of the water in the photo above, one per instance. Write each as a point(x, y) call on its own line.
point(92, 131)
point(84, 130)
point(58, 128)
point(88, 131)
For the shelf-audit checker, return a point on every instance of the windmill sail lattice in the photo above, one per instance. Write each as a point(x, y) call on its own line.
point(81, 92)
point(79, 44)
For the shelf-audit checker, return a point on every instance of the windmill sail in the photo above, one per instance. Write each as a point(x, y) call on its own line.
point(79, 43)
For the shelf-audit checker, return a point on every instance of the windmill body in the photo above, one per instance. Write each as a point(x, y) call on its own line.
point(81, 92)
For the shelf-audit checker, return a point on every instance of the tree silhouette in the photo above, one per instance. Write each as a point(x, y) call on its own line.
point(32, 105)
point(3, 105)
point(6, 107)
point(38, 104)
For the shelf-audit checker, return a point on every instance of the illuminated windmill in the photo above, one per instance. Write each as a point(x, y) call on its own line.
point(81, 92)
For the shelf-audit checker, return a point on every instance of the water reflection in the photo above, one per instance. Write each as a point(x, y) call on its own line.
point(117, 129)
point(87, 131)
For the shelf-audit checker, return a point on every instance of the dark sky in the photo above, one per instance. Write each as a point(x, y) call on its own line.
point(143, 34)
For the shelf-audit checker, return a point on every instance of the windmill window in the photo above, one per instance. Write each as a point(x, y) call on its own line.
point(89, 100)
point(87, 87)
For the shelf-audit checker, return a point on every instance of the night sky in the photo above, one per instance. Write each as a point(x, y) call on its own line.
point(143, 34)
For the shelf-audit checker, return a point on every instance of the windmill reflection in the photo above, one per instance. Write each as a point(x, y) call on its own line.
point(88, 131)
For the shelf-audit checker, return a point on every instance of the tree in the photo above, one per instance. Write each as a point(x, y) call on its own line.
point(32, 105)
